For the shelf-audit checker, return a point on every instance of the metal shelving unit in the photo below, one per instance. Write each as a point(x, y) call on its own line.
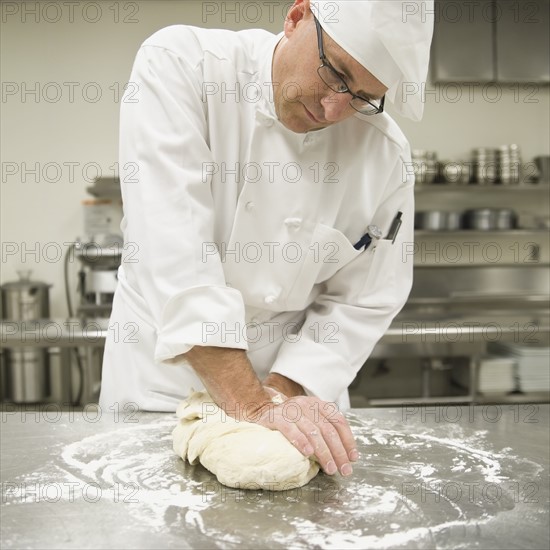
point(508, 291)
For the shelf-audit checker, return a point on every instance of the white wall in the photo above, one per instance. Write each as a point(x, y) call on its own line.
point(91, 48)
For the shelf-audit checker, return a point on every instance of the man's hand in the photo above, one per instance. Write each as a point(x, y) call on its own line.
point(314, 427)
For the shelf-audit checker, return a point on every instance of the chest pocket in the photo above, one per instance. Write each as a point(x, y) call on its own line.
point(328, 251)
point(386, 264)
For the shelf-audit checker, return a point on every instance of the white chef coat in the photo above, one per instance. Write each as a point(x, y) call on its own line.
point(239, 232)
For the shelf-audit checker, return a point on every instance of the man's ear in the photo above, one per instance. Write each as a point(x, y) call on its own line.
point(296, 13)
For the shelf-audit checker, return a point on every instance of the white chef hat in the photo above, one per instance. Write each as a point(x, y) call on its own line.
point(390, 38)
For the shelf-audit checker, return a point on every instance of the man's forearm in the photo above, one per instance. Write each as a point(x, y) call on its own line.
point(229, 378)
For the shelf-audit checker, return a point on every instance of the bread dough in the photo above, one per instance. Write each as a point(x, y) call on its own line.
point(241, 454)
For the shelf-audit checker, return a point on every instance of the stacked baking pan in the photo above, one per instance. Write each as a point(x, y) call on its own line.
point(485, 165)
point(509, 160)
point(502, 165)
point(425, 165)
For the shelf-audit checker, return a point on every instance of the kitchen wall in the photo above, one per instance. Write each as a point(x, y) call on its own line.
point(63, 70)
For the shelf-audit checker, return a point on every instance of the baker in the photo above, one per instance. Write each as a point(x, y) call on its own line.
point(268, 202)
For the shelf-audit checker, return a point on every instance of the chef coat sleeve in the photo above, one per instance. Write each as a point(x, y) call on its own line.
point(176, 272)
point(356, 306)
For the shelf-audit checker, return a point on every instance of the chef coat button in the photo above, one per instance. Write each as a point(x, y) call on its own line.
point(249, 205)
point(270, 299)
point(268, 122)
point(294, 223)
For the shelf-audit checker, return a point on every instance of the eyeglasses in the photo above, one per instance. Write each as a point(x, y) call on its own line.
point(330, 76)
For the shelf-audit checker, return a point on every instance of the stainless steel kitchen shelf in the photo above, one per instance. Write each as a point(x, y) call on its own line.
point(469, 248)
point(476, 188)
point(497, 301)
point(399, 401)
point(50, 333)
point(479, 232)
point(531, 397)
point(526, 397)
point(456, 328)
point(416, 333)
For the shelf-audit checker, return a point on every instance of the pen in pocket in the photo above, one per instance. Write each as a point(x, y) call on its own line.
point(394, 228)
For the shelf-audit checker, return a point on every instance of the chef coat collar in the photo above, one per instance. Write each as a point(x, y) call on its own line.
point(267, 104)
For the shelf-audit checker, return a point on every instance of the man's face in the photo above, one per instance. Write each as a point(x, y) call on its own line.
point(302, 101)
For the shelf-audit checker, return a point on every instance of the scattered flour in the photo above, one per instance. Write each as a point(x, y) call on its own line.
point(382, 505)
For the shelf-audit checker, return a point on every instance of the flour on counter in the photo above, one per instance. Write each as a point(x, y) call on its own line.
point(403, 492)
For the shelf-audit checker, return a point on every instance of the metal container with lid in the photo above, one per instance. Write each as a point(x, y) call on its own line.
point(25, 299)
point(26, 368)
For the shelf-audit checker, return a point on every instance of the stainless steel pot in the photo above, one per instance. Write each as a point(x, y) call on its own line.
point(430, 220)
point(454, 221)
point(506, 218)
point(25, 300)
point(489, 219)
point(437, 220)
point(483, 219)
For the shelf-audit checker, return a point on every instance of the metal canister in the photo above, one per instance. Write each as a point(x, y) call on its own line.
point(26, 368)
point(27, 374)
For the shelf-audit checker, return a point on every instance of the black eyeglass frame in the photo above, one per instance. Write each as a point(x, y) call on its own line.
point(325, 63)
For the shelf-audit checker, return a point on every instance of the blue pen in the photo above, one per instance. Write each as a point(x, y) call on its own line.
point(373, 232)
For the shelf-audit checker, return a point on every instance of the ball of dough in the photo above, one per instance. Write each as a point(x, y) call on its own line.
point(241, 454)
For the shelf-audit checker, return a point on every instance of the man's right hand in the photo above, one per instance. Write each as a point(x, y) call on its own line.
point(314, 427)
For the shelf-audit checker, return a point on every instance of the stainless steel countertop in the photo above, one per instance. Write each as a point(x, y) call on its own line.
point(428, 477)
